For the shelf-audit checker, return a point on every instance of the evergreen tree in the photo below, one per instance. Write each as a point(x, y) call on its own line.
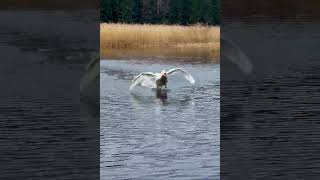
point(149, 11)
point(126, 11)
point(216, 11)
point(114, 6)
point(106, 11)
point(175, 11)
point(207, 11)
point(196, 11)
point(161, 11)
point(186, 12)
point(137, 12)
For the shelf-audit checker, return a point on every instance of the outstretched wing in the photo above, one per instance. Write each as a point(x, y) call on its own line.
point(236, 55)
point(186, 74)
point(144, 79)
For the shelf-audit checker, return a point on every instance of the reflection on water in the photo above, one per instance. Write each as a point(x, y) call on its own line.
point(191, 55)
point(163, 95)
point(167, 134)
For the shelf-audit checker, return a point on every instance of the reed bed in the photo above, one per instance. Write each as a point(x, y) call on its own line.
point(145, 37)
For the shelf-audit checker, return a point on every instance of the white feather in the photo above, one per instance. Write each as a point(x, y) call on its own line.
point(236, 55)
point(186, 74)
point(148, 79)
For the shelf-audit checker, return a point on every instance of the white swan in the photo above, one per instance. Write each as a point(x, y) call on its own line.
point(89, 84)
point(234, 54)
point(157, 80)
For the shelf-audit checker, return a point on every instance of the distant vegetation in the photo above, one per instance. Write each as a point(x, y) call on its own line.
point(168, 40)
point(130, 36)
point(160, 28)
point(183, 12)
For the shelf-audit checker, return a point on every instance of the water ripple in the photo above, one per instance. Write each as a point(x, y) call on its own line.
point(145, 137)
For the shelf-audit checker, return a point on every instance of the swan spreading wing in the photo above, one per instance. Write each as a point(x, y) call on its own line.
point(186, 74)
point(236, 55)
point(147, 79)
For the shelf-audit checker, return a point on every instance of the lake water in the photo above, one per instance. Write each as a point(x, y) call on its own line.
point(174, 135)
point(42, 59)
point(270, 118)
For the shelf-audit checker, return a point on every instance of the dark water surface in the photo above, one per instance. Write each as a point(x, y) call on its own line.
point(175, 135)
point(270, 118)
point(42, 59)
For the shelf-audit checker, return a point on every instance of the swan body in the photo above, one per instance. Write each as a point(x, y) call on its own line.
point(157, 80)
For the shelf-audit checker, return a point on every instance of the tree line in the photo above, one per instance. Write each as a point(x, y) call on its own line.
point(182, 12)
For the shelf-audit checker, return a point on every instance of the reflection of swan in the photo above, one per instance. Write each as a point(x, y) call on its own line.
point(157, 80)
point(235, 55)
point(89, 84)
point(90, 94)
point(162, 95)
point(159, 98)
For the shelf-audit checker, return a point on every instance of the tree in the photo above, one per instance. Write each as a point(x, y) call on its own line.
point(161, 11)
point(149, 11)
point(175, 11)
point(216, 11)
point(126, 11)
point(196, 11)
point(137, 11)
point(106, 11)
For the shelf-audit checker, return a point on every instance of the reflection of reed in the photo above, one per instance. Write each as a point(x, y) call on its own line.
point(178, 54)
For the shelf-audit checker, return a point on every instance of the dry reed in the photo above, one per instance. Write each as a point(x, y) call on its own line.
point(145, 36)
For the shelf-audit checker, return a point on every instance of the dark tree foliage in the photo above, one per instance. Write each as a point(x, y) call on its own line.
point(182, 12)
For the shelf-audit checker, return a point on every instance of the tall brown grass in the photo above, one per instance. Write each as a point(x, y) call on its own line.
point(145, 37)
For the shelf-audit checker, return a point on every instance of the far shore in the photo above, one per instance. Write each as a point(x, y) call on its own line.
point(120, 41)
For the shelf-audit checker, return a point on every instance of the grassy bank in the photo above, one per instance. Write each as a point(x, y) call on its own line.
point(152, 39)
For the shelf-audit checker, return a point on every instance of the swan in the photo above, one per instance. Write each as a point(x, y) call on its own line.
point(157, 80)
point(234, 54)
point(89, 83)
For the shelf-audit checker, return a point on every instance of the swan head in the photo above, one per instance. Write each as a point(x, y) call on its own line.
point(163, 73)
